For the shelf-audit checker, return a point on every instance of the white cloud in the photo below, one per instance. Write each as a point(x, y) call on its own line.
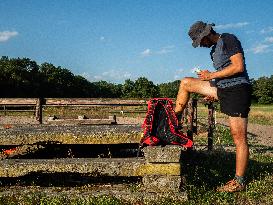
point(263, 47)
point(146, 52)
point(102, 38)
point(6, 35)
point(269, 39)
point(116, 74)
point(85, 75)
point(110, 75)
point(97, 78)
point(267, 30)
point(231, 25)
point(166, 49)
point(260, 48)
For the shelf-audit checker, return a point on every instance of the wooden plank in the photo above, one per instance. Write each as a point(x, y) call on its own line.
point(128, 111)
point(83, 121)
point(72, 101)
point(93, 101)
point(16, 105)
point(17, 110)
point(18, 101)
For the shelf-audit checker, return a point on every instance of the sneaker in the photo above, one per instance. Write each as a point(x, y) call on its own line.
point(231, 186)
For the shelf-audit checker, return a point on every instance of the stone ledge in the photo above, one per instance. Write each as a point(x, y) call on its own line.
point(92, 166)
point(79, 134)
point(166, 154)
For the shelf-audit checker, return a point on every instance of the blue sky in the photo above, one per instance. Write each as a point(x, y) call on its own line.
point(114, 40)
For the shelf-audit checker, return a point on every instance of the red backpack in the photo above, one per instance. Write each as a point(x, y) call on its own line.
point(160, 126)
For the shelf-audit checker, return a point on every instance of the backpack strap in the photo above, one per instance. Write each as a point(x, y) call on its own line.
point(148, 122)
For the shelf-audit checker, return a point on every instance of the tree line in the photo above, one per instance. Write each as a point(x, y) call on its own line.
point(23, 77)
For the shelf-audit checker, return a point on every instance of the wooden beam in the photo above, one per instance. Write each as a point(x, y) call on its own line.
point(18, 101)
point(93, 101)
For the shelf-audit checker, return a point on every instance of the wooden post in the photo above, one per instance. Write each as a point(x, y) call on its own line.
point(192, 118)
point(39, 110)
point(211, 122)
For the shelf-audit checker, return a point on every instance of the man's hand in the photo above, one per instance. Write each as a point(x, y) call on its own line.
point(205, 75)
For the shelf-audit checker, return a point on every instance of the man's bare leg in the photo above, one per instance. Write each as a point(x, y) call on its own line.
point(238, 128)
point(193, 85)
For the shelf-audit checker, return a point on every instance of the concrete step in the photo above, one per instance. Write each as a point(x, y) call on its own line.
point(77, 134)
point(128, 193)
point(92, 166)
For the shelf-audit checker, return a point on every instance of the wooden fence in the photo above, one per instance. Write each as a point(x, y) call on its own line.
point(189, 116)
point(39, 103)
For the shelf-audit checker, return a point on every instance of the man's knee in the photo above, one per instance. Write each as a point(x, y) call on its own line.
point(186, 83)
point(239, 137)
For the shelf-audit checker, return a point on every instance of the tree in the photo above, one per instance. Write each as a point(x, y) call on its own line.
point(170, 89)
point(58, 81)
point(141, 88)
point(108, 90)
point(263, 90)
point(127, 88)
point(18, 76)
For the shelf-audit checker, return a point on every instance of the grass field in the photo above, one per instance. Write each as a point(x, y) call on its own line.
point(204, 171)
point(259, 114)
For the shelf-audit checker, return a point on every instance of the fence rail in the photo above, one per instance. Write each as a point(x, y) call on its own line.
point(39, 103)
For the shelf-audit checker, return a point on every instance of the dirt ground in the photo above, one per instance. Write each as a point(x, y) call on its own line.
point(260, 134)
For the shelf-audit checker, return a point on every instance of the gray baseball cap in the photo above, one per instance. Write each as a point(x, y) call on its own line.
point(199, 30)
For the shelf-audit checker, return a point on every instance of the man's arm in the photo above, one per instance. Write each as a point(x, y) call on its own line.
point(236, 66)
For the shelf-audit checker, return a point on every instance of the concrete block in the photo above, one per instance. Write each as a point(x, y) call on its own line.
point(166, 154)
point(162, 183)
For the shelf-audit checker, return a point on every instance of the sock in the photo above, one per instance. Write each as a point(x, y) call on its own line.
point(240, 179)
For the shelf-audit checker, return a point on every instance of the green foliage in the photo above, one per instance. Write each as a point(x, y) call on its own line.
point(170, 89)
point(141, 88)
point(23, 77)
point(222, 135)
point(263, 90)
point(107, 90)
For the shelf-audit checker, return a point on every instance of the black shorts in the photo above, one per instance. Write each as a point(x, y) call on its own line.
point(235, 101)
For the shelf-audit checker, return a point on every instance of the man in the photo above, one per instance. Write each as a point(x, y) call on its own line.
point(229, 84)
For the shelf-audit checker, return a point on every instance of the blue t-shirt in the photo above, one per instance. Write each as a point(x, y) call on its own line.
point(227, 46)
